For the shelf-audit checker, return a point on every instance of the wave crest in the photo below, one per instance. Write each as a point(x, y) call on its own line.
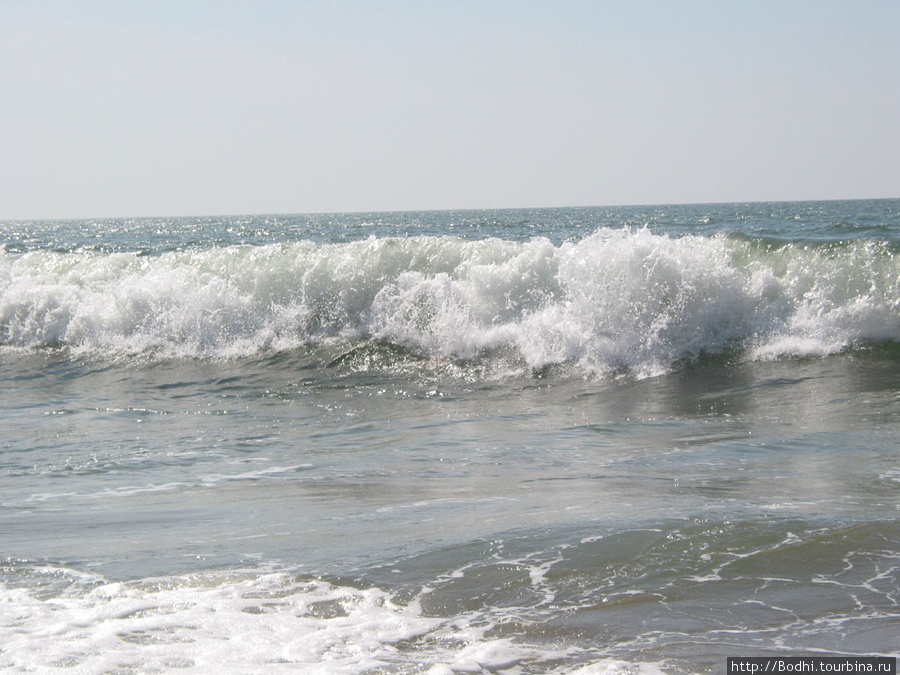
point(617, 300)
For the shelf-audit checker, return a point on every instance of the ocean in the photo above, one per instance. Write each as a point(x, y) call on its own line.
point(575, 440)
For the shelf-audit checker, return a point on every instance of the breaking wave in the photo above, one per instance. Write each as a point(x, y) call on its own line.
point(619, 300)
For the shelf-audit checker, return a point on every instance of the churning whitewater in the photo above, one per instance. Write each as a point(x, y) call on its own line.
point(616, 300)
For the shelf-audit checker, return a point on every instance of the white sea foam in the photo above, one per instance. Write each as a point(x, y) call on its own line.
point(616, 300)
point(238, 622)
point(207, 622)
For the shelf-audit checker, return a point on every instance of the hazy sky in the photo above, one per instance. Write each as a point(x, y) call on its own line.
point(186, 107)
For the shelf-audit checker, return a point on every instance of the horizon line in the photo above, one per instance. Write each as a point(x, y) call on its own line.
point(441, 210)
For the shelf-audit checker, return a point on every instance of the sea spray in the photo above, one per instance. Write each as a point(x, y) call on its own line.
point(618, 300)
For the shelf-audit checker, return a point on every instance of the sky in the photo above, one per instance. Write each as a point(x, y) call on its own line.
point(123, 108)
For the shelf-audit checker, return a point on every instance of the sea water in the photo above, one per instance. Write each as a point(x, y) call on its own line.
point(592, 440)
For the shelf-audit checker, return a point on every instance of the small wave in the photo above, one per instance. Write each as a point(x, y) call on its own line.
point(617, 300)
